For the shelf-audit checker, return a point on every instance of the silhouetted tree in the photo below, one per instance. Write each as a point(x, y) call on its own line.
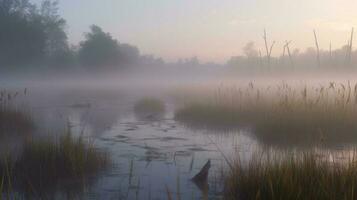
point(99, 49)
point(29, 34)
point(128, 54)
point(250, 50)
point(22, 35)
point(57, 49)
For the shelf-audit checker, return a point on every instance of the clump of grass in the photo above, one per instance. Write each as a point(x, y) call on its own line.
point(13, 120)
point(47, 166)
point(278, 116)
point(292, 176)
point(205, 115)
point(149, 108)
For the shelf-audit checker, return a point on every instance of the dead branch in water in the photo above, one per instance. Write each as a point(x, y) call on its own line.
point(350, 43)
point(267, 49)
point(317, 50)
point(287, 43)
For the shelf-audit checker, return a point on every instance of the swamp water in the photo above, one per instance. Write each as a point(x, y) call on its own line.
point(153, 158)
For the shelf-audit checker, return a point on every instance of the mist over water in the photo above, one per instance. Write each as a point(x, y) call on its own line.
point(100, 119)
point(153, 154)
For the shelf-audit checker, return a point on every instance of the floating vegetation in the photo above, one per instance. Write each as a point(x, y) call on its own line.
point(208, 116)
point(293, 176)
point(149, 108)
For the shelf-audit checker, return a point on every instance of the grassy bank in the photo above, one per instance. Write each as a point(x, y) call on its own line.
point(13, 119)
point(323, 114)
point(292, 176)
point(46, 167)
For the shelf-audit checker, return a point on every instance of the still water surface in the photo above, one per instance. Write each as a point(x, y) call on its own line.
point(150, 156)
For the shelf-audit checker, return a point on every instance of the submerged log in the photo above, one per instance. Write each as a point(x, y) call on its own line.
point(202, 176)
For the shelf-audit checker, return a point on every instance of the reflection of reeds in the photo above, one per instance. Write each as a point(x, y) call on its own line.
point(292, 176)
point(131, 168)
point(43, 167)
point(168, 193)
point(178, 189)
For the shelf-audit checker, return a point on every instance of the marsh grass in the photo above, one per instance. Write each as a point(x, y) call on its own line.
point(13, 119)
point(293, 176)
point(149, 108)
point(283, 114)
point(48, 166)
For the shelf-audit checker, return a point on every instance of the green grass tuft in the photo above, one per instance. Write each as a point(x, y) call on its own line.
point(47, 166)
point(284, 116)
point(13, 120)
point(292, 176)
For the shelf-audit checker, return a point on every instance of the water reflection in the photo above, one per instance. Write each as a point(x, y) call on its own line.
point(328, 140)
point(283, 140)
point(100, 119)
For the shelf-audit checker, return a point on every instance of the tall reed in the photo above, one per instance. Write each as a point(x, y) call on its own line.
point(45, 167)
point(277, 111)
point(293, 176)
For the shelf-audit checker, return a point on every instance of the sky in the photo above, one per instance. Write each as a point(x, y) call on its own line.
point(212, 30)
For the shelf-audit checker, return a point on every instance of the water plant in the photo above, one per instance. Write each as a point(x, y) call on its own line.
point(13, 119)
point(293, 175)
point(300, 114)
point(149, 108)
point(45, 167)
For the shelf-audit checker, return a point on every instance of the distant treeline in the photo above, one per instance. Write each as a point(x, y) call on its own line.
point(34, 37)
point(31, 35)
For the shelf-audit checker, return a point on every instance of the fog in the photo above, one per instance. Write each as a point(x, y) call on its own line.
point(35, 47)
point(100, 119)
